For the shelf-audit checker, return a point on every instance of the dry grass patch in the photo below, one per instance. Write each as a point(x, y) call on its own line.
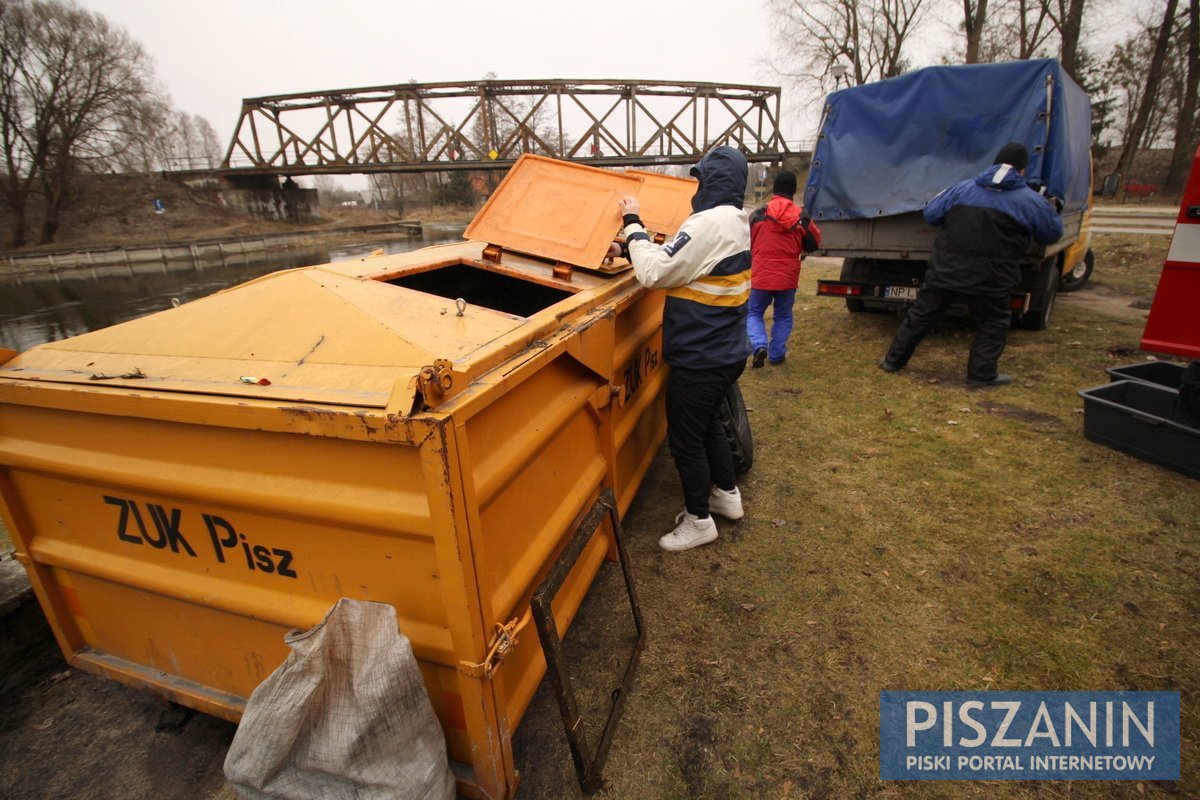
point(903, 532)
point(1129, 264)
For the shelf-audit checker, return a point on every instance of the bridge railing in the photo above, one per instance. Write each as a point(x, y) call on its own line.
point(489, 124)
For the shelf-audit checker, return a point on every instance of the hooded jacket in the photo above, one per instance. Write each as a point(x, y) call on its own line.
point(705, 268)
point(987, 223)
point(779, 238)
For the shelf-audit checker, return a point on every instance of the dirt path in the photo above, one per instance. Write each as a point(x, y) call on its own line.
point(1094, 296)
point(71, 735)
point(1108, 302)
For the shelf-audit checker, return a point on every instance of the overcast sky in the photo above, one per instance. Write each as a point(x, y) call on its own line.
point(209, 55)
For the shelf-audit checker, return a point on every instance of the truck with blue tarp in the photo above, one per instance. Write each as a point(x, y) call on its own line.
point(885, 149)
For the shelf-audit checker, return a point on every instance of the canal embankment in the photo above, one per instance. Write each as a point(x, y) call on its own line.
point(206, 250)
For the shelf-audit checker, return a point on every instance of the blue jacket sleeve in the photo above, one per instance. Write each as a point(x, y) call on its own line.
point(937, 208)
point(1044, 225)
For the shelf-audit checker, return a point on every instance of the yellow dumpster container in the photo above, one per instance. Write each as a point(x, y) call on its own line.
point(426, 429)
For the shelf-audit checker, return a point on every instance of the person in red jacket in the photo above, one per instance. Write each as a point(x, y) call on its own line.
point(780, 235)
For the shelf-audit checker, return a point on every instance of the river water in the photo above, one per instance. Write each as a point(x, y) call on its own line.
point(44, 308)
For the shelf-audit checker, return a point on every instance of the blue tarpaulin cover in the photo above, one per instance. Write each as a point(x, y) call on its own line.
point(889, 147)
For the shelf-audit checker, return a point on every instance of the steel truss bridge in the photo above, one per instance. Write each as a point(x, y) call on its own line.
point(434, 127)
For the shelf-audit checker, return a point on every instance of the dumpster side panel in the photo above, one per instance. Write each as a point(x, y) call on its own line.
point(463, 695)
point(532, 474)
point(148, 541)
point(536, 457)
point(640, 420)
point(539, 455)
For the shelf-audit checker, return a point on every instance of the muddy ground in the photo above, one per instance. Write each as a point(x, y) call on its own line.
point(70, 735)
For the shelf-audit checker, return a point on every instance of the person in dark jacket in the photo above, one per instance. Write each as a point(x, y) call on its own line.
point(705, 270)
point(986, 224)
point(780, 235)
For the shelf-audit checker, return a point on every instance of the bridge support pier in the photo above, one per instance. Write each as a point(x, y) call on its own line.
point(266, 197)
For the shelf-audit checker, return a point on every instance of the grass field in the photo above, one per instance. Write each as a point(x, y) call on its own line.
point(902, 532)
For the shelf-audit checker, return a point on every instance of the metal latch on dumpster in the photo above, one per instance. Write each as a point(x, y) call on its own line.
point(502, 643)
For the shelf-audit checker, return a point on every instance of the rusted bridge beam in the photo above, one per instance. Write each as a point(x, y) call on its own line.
point(421, 127)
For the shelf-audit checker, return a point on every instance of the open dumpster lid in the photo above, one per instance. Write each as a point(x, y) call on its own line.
point(327, 335)
point(665, 200)
point(556, 210)
point(312, 334)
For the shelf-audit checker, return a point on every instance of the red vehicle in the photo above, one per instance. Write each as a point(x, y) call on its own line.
point(1139, 190)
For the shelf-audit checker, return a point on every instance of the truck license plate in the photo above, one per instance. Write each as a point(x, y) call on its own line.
point(905, 292)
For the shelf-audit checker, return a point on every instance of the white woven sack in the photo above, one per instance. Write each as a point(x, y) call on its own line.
point(345, 716)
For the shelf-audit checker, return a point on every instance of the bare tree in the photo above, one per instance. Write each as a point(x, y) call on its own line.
point(1067, 18)
point(511, 123)
point(192, 143)
point(1125, 75)
point(331, 192)
point(21, 158)
point(869, 37)
point(395, 190)
point(1015, 30)
point(1185, 123)
point(208, 145)
point(72, 83)
point(1133, 135)
point(87, 77)
point(1168, 102)
point(149, 136)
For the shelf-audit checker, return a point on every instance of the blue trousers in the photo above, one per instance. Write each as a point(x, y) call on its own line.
point(781, 324)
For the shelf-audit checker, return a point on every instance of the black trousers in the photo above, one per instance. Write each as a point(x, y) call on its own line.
point(695, 434)
point(992, 319)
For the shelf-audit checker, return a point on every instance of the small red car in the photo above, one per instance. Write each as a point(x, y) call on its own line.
point(1138, 190)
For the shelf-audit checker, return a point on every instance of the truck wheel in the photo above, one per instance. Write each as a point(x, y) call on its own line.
point(1074, 280)
point(736, 422)
point(1041, 304)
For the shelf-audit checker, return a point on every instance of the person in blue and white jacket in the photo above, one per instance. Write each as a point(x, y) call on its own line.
point(705, 270)
point(986, 224)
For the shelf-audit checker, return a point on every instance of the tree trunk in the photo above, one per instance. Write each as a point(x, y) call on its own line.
point(16, 198)
point(55, 177)
point(1150, 94)
point(973, 26)
point(53, 213)
point(1185, 131)
point(1069, 27)
point(49, 227)
point(16, 236)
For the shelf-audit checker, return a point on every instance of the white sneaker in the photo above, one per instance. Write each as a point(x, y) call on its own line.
point(691, 531)
point(727, 504)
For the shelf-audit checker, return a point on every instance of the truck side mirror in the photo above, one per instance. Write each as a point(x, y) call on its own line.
point(1112, 182)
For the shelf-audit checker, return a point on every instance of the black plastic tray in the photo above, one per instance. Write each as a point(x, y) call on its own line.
point(1162, 373)
point(1143, 420)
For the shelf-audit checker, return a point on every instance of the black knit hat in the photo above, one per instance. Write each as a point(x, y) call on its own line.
point(1013, 153)
point(785, 183)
